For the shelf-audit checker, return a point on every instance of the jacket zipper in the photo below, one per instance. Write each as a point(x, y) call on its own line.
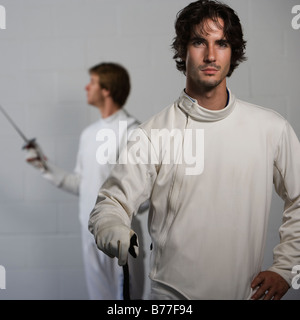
point(172, 204)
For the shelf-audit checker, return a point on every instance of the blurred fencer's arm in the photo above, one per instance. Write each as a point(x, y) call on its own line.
point(60, 178)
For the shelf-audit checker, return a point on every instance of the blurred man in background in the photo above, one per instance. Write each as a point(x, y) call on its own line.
point(108, 91)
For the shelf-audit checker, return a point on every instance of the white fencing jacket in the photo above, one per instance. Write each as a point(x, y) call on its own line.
point(208, 217)
point(89, 174)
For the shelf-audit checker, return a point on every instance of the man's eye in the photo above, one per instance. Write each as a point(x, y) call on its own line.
point(197, 43)
point(223, 44)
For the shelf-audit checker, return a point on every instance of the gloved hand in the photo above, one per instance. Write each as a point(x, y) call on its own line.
point(35, 157)
point(60, 178)
point(117, 241)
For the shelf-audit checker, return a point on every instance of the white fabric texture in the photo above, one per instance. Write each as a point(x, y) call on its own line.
point(209, 229)
point(104, 276)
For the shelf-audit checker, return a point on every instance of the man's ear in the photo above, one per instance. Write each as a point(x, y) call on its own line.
point(105, 92)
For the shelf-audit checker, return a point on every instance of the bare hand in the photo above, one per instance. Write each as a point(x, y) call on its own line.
point(271, 286)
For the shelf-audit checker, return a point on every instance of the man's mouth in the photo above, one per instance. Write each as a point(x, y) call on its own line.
point(209, 70)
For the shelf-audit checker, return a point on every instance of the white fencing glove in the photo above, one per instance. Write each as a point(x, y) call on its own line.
point(35, 157)
point(116, 241)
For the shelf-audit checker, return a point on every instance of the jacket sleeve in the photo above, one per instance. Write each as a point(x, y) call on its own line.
point(67, 181)
point(287, 185)
point(128, 186)
point(61, 179)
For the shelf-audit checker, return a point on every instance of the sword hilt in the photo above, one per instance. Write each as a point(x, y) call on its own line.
point(30, 144)
point(126, 284)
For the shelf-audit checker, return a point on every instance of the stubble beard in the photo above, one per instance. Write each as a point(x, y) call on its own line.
point(204, 85)
point(208, 85)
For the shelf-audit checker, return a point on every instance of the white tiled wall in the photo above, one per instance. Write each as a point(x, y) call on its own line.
point(45, 53)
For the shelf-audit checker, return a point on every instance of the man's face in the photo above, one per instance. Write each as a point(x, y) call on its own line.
point(94, 91)
point(208, 56)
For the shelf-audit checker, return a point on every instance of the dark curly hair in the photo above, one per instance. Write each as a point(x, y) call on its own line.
point(195, 14)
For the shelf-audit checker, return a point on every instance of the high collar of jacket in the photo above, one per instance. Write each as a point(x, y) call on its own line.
point(114, 116)
point(198, 113)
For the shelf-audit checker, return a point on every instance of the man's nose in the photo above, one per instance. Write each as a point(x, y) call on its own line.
point(210, 55)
